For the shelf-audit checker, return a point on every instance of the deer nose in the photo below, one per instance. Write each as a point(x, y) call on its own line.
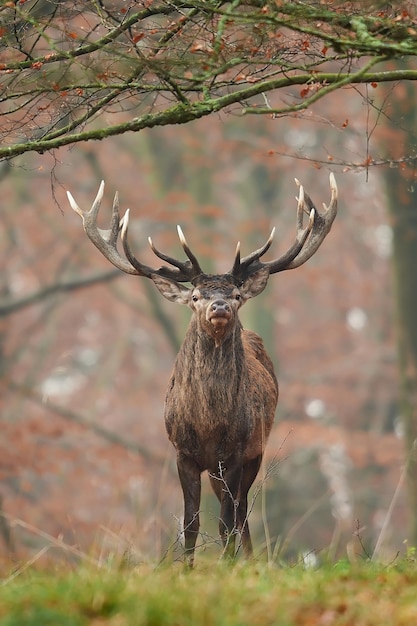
point(219, 306)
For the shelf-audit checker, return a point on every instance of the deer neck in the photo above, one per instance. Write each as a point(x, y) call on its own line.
point(212, 364)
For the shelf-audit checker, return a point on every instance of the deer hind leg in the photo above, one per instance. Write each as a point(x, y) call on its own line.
point(249, 473)
point(190, 478)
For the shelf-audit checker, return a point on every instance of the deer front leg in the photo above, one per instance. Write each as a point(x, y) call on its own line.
point(230, 479)
point(190, 478)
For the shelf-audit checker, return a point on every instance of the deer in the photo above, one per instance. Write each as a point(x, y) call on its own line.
point(222, 395)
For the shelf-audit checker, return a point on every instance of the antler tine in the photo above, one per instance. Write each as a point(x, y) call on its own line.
point(104, 240)
point(241, 267)
point(254, 256)
point(321, 226)
point(236, 263)
point(187, 270)
point(307, 240)
point(196, 269)
point(182, 274)
point(183, 266)
point(310, 239)
point(302, 234)
point(247, 260)
point(141, 270)
point(116, 222)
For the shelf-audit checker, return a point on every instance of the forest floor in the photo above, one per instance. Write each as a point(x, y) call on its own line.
point(359, 594)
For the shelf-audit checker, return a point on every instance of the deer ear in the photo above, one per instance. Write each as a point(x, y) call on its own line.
point(255, 283)
point(171, 290)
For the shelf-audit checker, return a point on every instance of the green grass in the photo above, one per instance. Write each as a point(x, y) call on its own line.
point(213, 594)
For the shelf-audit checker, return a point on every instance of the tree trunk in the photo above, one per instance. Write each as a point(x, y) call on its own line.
point(404, 217)
point(401, 186)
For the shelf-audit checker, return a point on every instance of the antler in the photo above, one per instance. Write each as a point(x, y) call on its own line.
point(106, 242)
point(307, 240)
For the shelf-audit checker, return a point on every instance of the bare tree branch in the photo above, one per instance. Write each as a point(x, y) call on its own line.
point(64, 63)
point(10, 304)
point(68, 414)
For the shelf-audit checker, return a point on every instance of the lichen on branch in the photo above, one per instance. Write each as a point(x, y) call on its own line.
point(63, 64)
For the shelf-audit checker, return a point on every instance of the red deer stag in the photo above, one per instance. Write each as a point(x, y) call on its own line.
point(222, 395)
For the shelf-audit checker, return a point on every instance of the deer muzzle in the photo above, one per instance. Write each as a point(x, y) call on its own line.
point(219, 313)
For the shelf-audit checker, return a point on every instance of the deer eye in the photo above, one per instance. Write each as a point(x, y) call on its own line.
point(195, 298)
point(238, 297)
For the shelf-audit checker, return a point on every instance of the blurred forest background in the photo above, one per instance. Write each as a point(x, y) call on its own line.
point(84, 452)
point(84, 458)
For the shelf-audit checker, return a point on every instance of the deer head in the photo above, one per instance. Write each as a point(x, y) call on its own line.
point(215, 300)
